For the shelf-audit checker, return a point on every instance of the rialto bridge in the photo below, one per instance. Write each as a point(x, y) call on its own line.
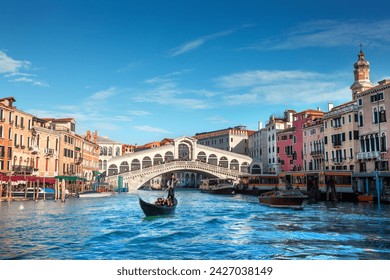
point(184, 154)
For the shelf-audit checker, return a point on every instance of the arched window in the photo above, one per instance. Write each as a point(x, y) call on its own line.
point(117, 151)
point(135, 164)
point(124, 167)
point(110, 151)
point(47, 142)
point(201, 157)
point(104, 164)
point(146, 162)
point(213, 159)
point(1, 131)
point(157, 159)
point(383, 143)
point(382, 115)
point(361, 121)
point(375, 115)
point(223, 162)
point(100, 164)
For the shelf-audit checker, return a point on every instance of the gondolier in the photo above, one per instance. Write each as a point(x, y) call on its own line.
point(171, 188)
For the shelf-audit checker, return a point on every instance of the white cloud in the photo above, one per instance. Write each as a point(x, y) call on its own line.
point(104, 94)
point(165, 91)
point(252, 78)
point(10, 68)
point(10, 65)
point(147, 128)
point(282, 87)
point(198, 42)
point(329, 33)
point(139, 113)
point(217, 120)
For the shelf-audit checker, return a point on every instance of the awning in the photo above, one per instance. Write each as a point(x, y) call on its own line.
point(21, 179)
point(70, 178)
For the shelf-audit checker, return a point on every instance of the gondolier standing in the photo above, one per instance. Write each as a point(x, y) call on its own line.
point(171, 188)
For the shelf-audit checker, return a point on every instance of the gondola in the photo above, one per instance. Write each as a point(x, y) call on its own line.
point(156, 210)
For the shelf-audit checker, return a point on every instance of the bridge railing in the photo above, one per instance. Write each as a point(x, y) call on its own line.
point(196, 165)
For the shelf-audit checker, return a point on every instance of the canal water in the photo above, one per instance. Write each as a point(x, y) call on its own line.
point(205, 227)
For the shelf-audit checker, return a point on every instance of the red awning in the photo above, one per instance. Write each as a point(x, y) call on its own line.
point(22, 179)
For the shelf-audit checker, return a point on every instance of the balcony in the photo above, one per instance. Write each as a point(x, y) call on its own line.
point(48, 152)
point(317, 154)
point(368, 155)
point(337, 144)
point(33, 149)
point(78, 160)
point(22, 169)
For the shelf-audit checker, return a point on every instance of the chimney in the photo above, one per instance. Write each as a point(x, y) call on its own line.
point(89, 135)
point(95, 136)
point(330, 106)
point(259, 125)
point(318, 109)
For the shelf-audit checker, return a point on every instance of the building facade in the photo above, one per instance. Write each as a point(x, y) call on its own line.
point(230, 139)
point(313, 145)
point(341, 137)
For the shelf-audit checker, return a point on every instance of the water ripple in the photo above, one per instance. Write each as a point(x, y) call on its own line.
point(204, 227)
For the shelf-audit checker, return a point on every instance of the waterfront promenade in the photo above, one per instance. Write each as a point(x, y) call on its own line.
point(204, 227)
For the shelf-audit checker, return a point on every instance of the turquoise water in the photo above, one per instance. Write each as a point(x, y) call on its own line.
point(205, 227)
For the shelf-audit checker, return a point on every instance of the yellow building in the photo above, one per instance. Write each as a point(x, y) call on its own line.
point(341, 137)
point(44, 147)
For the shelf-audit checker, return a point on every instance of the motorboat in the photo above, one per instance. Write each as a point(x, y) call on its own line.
point(218, 186)
point(93, 194)
point(291, 198)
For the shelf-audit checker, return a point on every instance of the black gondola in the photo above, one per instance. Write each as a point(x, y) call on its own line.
point(156, 210)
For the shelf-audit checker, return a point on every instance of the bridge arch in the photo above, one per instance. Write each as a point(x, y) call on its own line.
point(146, 162)
point(124, 167)
point(157, 159)
point(213, 159)
point(202, 157)
point(234, 164)
point(135, 164)
point(223, 162)
point(112, 170)
point(168, 157)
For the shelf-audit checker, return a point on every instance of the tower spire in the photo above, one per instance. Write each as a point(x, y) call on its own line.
point(361, 74)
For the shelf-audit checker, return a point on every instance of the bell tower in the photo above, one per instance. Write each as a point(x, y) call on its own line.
point(361, 74)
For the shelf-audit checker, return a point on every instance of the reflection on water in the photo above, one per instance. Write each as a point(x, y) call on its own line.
point(204, 227)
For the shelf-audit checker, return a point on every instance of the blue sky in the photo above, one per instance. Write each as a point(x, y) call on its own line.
point(139, 71)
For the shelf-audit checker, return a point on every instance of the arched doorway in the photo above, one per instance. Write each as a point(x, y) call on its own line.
point(213, 159)
point(112, 170)
point(135, 165)
point(124, 167)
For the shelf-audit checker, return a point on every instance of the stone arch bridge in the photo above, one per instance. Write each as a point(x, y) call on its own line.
point(183, 154)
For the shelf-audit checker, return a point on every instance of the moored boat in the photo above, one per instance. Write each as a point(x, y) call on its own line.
point(93, 194)
point(32, 192)
point(157, 210)
point(283, 198)
point(218, 186)
point(365, 198)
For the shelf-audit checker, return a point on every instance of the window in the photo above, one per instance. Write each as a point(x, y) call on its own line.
point(382, 115)
point(361, 123)
point(360, 102)
point(349, 118)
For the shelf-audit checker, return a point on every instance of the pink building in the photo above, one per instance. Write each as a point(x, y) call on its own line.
point(290, 141)
point(286, 154)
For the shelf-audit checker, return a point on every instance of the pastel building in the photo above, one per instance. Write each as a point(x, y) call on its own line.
point(313, 145)
point(233, 139)
point(257, 146)
point(341, 137)
point(273, 126)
